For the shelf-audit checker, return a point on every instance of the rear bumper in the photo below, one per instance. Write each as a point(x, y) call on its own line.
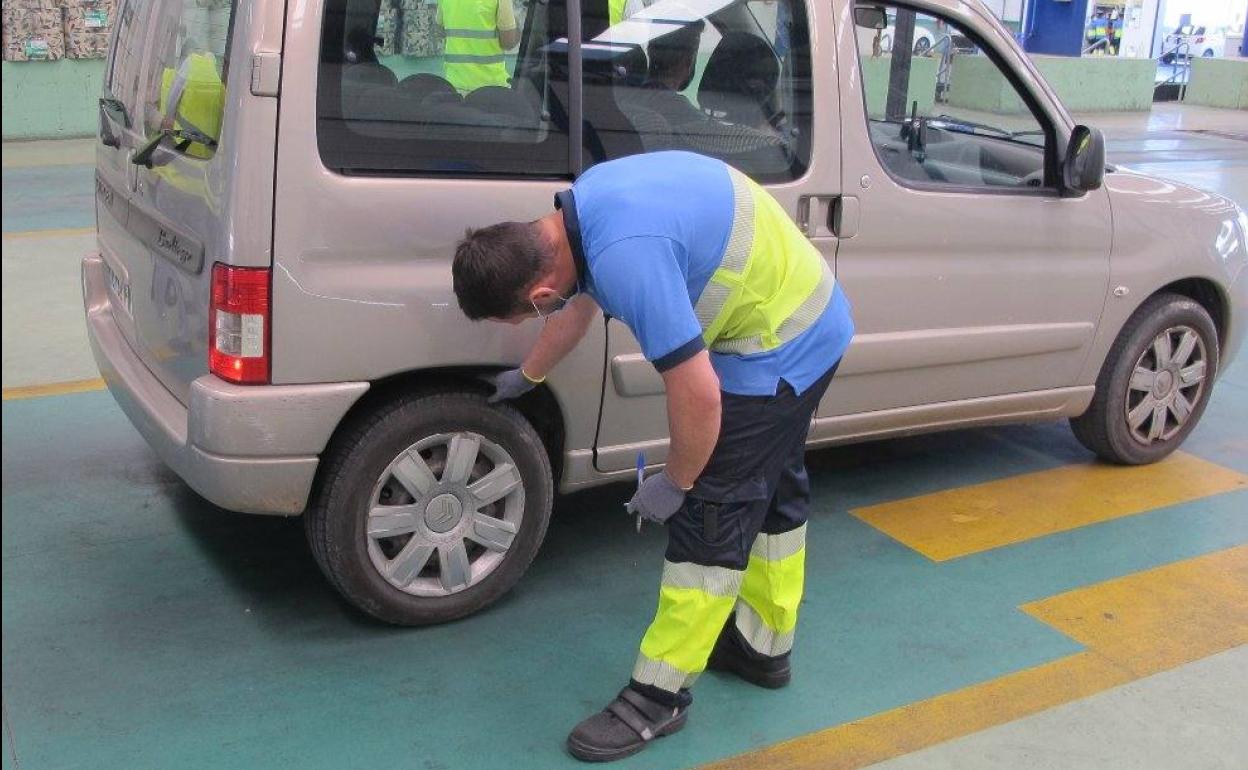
point(252, 449)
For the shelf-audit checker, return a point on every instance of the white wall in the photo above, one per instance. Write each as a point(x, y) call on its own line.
point(1140, 23)
point(1006, 10)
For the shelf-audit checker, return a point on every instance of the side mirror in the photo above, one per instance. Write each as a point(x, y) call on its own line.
point(870, 16)
point(1083, 167)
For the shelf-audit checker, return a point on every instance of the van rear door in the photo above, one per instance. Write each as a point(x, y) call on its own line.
point(184, 171)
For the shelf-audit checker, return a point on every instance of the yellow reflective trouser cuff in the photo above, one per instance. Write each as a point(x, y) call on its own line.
point(772, 590)
point(694, 603)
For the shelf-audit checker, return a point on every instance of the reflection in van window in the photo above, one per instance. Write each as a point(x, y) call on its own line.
point(187, 73)
point(940, 110)
point(726, 78)
point(122, 82)
point(458, 87)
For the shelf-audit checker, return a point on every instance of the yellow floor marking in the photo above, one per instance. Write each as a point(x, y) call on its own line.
point(1155, 620)
point(63, 232)
point(1133, 626)
point(957, 522)
point(52, 389)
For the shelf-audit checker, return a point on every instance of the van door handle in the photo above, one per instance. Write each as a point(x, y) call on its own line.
point(845, 216)
point(814, 215)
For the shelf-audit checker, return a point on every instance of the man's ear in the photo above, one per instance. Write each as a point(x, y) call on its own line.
point(541, 292)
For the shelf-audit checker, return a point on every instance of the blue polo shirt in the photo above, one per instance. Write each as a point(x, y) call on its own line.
point(647, 232)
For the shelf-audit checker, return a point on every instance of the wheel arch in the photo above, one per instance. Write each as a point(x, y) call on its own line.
point(1208, 295)
point(1203, 291)
point(540, 407)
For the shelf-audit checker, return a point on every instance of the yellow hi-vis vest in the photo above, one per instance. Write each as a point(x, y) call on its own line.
point(200, 99)
point(615, 11)
point(771, 285)
point(474, 59)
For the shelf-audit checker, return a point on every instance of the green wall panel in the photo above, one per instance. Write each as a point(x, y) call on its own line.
point(1091, 84)
point(922, 87)
point(1219, 83)
point(52, 100)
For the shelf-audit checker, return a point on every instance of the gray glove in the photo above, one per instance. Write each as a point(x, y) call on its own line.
point(510, 384)
point(657, 498)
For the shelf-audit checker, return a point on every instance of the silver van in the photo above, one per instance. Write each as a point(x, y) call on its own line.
point(280, 186)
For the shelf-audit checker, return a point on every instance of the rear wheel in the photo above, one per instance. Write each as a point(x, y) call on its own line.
point(431, 508)
point(922, 45)
point(1155, 383)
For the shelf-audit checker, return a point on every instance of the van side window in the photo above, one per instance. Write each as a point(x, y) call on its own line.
point(187, 73)
point(941, 112)
point(730, 79)
point(453, 87)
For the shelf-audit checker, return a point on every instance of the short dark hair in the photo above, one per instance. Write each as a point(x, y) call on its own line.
point(494, 265)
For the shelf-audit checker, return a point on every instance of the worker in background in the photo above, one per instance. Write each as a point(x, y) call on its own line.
point(671, 60)
point(478, 33)
point(745, 322)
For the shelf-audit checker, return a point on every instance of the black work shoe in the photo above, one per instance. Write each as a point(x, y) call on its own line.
point(731, 654)
point(624, 727)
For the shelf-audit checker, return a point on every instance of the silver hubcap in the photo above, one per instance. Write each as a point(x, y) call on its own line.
point(444, 513)
point(1168, 382)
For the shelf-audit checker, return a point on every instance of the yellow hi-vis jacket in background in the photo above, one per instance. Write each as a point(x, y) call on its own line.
point(473, 56)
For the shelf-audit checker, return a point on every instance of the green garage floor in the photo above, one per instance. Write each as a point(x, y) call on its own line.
point(144, 628)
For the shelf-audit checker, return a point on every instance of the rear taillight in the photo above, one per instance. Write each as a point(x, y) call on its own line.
point(238, 324)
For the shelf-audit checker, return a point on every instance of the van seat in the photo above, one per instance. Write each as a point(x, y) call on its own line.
point(424, 85)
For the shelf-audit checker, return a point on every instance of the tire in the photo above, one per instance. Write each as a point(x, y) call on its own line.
point(1208, 54)
point(1121, 392)
point(371, 465)
point(921, 46)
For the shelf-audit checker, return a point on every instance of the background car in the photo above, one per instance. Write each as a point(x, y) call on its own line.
point(1199, 42)
point(924, 39)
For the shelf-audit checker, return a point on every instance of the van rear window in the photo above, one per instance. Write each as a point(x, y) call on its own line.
point(126, 54)
point(187, 71)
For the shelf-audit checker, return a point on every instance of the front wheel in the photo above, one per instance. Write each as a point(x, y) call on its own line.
point(431, 507)
point(1155, 383)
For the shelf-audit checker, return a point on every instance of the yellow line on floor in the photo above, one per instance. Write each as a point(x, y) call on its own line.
point(63, 232)
point(1133, 626)
point(53, 389)
point(966, 520)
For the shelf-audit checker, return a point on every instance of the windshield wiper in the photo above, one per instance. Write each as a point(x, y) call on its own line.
point(183, 138)
point(954, 124)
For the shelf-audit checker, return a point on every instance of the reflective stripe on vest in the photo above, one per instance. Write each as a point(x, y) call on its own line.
point(473, 57)
point(772, 284)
